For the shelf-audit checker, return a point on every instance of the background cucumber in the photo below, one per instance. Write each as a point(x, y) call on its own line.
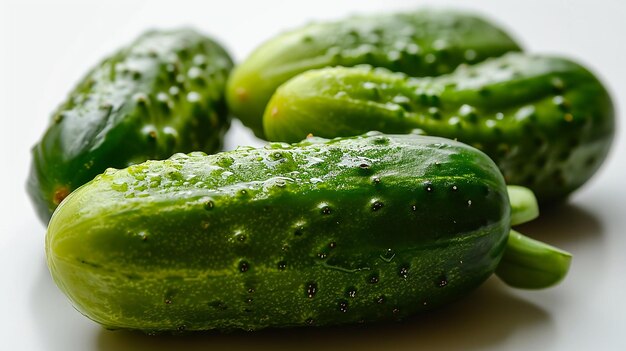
point(323, 232)
point(547, 122)
point(162, 94)
point(419, 43)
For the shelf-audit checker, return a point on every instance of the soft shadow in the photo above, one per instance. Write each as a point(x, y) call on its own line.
point(565, 224)
point(485, 318)
point(59, 326)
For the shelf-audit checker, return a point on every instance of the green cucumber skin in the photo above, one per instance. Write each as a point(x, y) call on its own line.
point(547, 122)
point(240, 239)
point(162, 94)
point(420, 43)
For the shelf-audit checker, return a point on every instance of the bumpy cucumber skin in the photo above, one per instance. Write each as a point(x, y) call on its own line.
point(162, 94)
point(420, 43)
point(357, 229)
point(547, 122)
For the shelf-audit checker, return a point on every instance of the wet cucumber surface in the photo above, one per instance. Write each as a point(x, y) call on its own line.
point(162, 94)
point(366, 228)
point(420, 43)
point(546, 121)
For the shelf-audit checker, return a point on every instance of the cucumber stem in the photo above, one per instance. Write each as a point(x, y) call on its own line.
point(532, 264)
point(524, 206)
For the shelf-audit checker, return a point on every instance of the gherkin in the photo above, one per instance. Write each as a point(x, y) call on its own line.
point(425, 42)
point(162, 94)
point(547, 122)
point(324, 232)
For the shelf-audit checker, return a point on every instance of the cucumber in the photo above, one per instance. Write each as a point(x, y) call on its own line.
point(547, 122)
point(323, 232)
point(426, 42)
point(162, 94)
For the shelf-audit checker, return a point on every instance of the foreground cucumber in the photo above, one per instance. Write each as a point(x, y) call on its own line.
point(162, 94)
point(419, 43)
point(323, 232)
point(547, 122)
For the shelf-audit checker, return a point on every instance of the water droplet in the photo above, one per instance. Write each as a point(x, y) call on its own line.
point(332, 245)
point(428, 186)
point(412, 49)
point(401, 100)
point(413, 208)
point(434, 112)
point(369, 85)
point(525, 112)
point(243, 266)
point(343, 306)
point(321, 255)
point(351, 292)
point(560, 101)
point(395, 310)
point(376, 180)
point(277, 156)
point(282, 265)
point(470, 55)
point(469, 203)
point(143, 235)
point(209, 205)
point(381, 140)
point(192, 96)
point(404, 272)
point(440, 44)
point(251, 290)
point(315, 180)
point(194, 72)
point(311, 290)
point(240, 237)
point(394, 55)
point(455, 188)
point(325, 209)
point(441, 281)
point(454, 120)
point(380, 300)
point(174, 90)
point(377, 205)
point(364, 166)
point(373, 279)
point(309, 321)
point(150, 132)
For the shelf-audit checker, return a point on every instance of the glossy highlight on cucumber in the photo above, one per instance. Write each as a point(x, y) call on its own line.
point(162, 94)
point(323, 232)
point(547, 122)
point(425, 42)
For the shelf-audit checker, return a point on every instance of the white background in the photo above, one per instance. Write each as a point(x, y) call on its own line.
point(46, 46)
